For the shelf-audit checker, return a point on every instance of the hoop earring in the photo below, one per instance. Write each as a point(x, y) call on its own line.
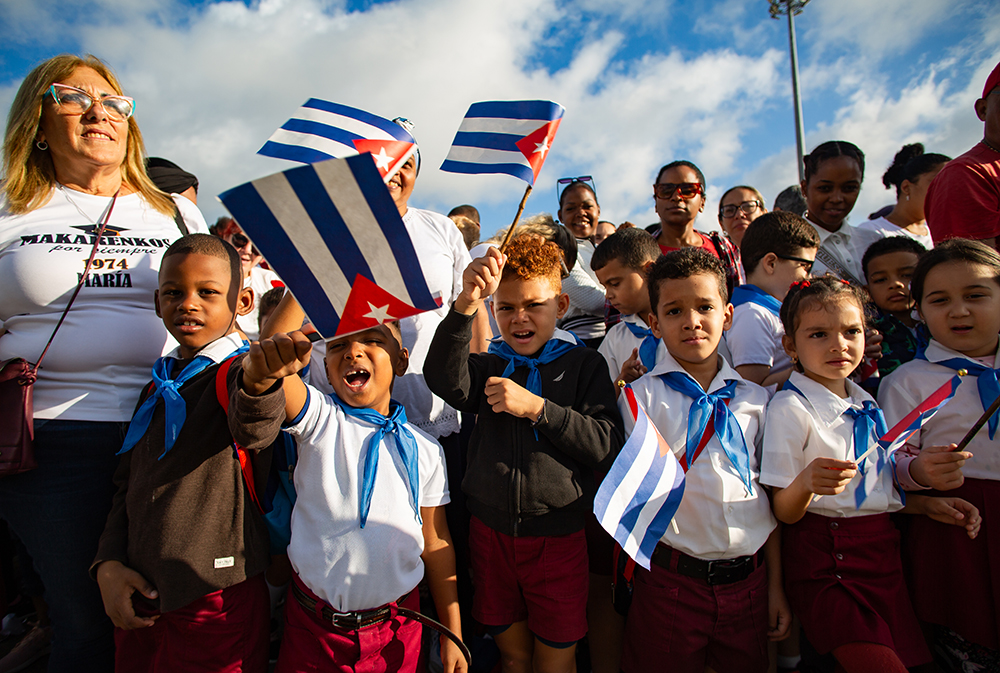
point(42, 145)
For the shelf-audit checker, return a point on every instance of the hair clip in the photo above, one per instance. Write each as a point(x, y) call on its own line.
point(845, 282)
point(800, 284)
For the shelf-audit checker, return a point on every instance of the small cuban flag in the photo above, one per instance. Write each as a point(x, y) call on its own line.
point(323, 130)
point(643, 490)
point(334, 235)
point(897, 435)
point(511, 137)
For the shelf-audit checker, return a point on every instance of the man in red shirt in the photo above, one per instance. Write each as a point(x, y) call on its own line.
point(964, 198)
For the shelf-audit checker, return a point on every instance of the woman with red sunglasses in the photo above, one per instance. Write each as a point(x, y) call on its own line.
point(679, 194)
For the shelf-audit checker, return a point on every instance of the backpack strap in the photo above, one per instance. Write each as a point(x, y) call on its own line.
point(246, 464)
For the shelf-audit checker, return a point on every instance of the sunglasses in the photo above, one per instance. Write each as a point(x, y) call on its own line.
point(562, 184)
point(240, 241)
point(748, 207)
point(807, 264)
point(688, 190)
point(73, 101)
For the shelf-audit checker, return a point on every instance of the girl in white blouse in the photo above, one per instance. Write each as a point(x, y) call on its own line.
point(840, 552)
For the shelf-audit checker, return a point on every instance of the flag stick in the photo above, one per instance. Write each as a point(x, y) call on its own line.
point(979, 424)
point(517, 218)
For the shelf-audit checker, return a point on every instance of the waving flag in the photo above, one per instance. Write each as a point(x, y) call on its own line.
point(511, 137)
point(333, 234)
point(323, 130)
point(897, 435)
point(643, 490)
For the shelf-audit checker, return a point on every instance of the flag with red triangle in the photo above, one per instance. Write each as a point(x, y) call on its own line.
point(512, 137)
point(323, 130)
point(334, 235)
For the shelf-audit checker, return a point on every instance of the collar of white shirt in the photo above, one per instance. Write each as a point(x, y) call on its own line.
point(722, 377)
point(827, 406)
point(216, 351)
point(937, 352)
point(844, 232)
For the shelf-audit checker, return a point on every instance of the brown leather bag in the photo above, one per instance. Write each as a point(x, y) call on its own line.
point(17, 430)
point(17, 376)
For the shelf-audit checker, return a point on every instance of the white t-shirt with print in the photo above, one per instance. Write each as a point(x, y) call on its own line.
point(105, 349)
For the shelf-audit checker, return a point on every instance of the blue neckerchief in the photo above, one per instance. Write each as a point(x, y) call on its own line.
point(751, 294)
point(647, 350)
point(174, 406)
point(871, 429)
point(869, 426)
point(986, 381)
point(395, 425)
point(554, 348)
point(726, 428)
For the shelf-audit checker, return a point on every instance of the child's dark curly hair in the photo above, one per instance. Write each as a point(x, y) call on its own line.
point(817, 292)
point(685, 263)
point(531, 256)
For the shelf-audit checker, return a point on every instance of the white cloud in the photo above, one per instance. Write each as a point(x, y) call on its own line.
point(213, 82)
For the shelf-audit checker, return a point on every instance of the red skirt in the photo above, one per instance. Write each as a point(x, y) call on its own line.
point(844, 581)
point(953, 580)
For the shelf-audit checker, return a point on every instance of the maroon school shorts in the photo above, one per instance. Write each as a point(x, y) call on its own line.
point(955, 581)
point(682, 624)
point(313, 644)
point(223, 632)
point(844, 581)
point(543, 580)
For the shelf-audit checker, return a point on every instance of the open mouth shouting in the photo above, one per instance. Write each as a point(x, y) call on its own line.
point(522, 336)
point(356, 379)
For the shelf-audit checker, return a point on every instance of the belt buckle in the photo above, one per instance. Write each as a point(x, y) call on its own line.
point(722, 572)
point(350, 621)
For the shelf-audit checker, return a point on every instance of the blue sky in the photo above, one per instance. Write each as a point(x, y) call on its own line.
point(643, 83)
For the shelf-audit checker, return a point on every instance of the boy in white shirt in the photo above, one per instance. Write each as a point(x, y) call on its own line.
point(369, 514)
point(708, 600)
point(621, 262)
point(778, 249)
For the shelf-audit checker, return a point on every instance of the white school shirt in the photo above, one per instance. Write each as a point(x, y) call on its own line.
point(350, 567)
point(755, 338)
point(717, 517)
point(848, 245)
point(800, 429)
point(100, 359)
point(443, 259)
point(911, 383)
point(884, 228)
point(619, 342)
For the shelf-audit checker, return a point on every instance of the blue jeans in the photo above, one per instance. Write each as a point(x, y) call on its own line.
point(59, 511)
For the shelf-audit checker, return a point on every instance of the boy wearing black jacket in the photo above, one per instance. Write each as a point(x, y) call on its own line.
point(547, 420)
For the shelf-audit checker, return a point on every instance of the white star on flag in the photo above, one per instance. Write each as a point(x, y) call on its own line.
point(541, 147)
point(380, 314)
point(382, 160)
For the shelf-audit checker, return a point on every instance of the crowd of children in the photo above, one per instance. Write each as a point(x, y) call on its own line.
point(760, 391)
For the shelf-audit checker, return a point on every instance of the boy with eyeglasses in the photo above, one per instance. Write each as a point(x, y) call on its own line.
point(778, 249)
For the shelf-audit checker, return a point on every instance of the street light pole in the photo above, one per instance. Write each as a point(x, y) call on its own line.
point(791, 8)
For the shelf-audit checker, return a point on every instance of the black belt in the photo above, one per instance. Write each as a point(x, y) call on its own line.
point(723, 571)
point(352, 621)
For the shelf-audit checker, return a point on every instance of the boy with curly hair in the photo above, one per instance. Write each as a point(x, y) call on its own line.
point(547, 420)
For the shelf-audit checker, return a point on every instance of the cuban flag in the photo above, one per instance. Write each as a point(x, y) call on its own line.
point(511, 137)
point(643, 490)
point(334, 235)
point(323, 130)
point(898, 434)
